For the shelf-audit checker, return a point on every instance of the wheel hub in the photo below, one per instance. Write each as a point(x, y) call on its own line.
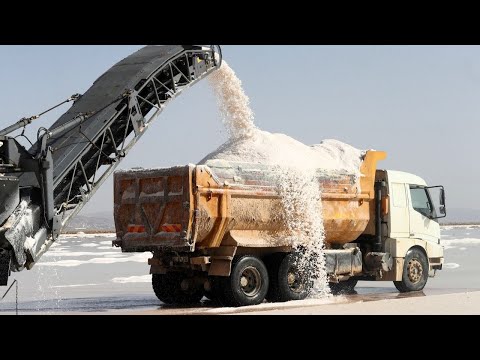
point(415, 271)
point(291, 279)
point(250, 281)
point(294, 282)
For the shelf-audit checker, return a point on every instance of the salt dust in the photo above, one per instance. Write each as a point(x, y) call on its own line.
point(297, 166)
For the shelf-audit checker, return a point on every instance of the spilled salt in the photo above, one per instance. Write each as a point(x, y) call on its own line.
point(133, 279)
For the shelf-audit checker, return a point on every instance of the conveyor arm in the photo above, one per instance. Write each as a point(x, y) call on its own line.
point(50, 183)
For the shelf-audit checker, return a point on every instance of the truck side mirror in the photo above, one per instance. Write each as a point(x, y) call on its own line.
point(442, 197)
point(442, 201)
point(436, 195)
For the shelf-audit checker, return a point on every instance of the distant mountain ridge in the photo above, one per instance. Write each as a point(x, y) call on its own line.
point(103, 221)
point(460, 215)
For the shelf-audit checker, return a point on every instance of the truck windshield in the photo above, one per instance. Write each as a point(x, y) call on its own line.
point(422, 201)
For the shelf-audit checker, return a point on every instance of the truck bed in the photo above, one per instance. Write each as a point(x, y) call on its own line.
point(224, 204)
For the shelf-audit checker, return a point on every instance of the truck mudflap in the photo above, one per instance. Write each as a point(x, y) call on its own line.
point(154, 209)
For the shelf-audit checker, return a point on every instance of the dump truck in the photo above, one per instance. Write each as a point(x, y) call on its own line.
point(218, 230)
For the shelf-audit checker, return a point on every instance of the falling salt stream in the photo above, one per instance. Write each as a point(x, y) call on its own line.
point(233, 103)
point(49, 300)
point(297, 164)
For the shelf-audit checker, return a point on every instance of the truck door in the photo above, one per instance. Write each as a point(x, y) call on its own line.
point(399, 219)
point(420, 208)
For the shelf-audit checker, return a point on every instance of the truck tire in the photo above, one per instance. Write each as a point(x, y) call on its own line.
point(286, 282)
point(4, 267)
point(248, 282)
point(415, 272)
point(210, 295)
point(343, 287)
point(216, 292)
point(168, 289)
point(163, 288)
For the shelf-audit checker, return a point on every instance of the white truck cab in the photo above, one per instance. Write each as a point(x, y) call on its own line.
point(410, 228)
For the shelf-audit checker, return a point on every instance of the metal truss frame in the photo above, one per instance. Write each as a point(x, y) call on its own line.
point(135, 112)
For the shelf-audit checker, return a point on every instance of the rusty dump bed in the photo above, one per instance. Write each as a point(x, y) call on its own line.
point(154, 208)
point(231, 204)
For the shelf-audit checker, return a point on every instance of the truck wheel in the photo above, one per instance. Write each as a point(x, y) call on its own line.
point(248, 282)
point(4, 267)
point(163, 287)
point(216, 292)
point(286, 282)
point(415, 272)
point(169, 290)
point(343, 287)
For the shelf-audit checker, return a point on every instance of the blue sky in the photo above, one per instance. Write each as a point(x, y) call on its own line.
point(418, 103)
